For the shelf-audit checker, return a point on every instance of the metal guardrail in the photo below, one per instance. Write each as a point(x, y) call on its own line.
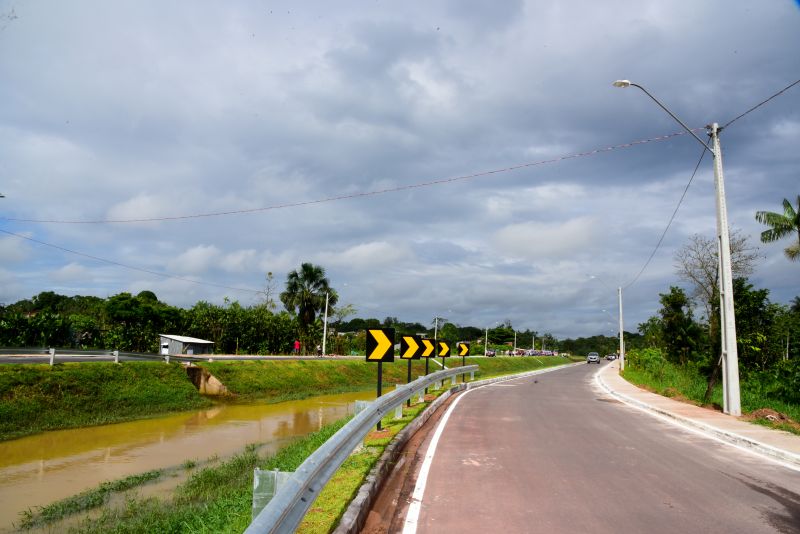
point(286, 510)
point(52, 352)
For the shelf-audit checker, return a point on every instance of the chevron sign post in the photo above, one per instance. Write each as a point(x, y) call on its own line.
point(380, 348)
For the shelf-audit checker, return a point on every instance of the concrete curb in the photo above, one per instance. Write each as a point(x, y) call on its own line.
point(723, 435)
point(355, 516)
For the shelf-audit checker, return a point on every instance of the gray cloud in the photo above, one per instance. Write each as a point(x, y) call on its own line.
point(139, 109)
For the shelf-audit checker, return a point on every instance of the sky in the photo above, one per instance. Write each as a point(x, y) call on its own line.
point(462, 159)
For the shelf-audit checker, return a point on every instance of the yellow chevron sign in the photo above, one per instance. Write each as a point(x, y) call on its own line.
point(380, 345)
point(410, 347)
point(444, 349)
point(463, 349)
point(427, 348)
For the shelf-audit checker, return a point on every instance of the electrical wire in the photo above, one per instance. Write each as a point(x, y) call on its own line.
point(131, 267)
point(671, 219)
point(363, 193)
point(761, 104)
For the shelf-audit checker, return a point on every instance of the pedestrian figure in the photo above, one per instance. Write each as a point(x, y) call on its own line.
point(319, 350)
point(297, 346)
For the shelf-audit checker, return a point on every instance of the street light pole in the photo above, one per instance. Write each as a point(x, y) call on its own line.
point(730, 356)
point(486, 341)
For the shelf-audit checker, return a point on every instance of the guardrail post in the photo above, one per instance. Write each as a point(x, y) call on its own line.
point(116, 356)
point(398, 412)
point(166, 358)
point(472, 375)
point(421, 396)
point(52, 357)
point(453, 380)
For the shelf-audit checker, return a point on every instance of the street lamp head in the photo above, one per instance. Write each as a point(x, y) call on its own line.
point(622, 83)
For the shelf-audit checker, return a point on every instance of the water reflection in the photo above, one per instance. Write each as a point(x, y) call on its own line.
point(37, 470)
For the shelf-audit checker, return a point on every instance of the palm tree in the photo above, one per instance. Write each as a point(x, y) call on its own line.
point(305, 293)
point(782, 225)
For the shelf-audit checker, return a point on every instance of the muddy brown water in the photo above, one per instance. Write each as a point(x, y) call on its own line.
point(38, 470)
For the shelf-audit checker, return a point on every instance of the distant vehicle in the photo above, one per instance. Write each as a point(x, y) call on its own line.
point(490, 353)
point(593, 357)
point(611, 357)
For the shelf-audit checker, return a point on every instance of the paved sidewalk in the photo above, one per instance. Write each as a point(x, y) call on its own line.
point(777, 444)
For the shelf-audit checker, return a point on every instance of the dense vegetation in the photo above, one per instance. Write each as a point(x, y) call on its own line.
point(133, 323)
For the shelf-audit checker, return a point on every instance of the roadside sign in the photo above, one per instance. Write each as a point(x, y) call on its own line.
point(380, 345)
point(463, 349)
point(444, 349)
point(427, 348)
point(410, 348)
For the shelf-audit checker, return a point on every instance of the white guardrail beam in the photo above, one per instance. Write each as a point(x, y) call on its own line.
point(286, 510)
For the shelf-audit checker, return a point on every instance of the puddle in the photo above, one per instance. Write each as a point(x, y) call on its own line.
point(37, 470)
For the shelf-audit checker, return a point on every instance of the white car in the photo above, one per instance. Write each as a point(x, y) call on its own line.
point(593, 357)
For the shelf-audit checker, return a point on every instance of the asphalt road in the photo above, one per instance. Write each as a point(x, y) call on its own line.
point(554, 454)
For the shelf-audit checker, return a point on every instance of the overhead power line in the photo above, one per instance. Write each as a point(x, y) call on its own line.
point(131, 267)
point(761, 104)
point(361, 194)
point(664, 233)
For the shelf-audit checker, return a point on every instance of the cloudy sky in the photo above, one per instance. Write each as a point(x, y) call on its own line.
point(437, 158)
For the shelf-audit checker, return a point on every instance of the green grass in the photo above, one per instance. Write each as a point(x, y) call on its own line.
point(214, 499)
point(35, 398)
point(86, 500)
point(277, 381)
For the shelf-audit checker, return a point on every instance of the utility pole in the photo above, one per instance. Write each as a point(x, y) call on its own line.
point(621, 340)
point(325, 325)
point(730, 358)
point(730, 355)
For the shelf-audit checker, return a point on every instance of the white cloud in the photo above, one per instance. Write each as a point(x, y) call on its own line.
point(198, 259)
point(13, 249)
point(547, 241)
point(369, 256)
point(71, 272)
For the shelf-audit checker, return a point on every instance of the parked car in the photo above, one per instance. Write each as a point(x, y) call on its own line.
point(593, 357)
point(490, 353)
point(611, 357)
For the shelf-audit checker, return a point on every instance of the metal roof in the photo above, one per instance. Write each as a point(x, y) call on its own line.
point(186, 339)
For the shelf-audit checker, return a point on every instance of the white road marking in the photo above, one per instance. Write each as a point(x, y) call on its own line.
point(412, 517)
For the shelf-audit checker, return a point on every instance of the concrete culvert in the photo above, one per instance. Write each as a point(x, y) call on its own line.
point(206, 383)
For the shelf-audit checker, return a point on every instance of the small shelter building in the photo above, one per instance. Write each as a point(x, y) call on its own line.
point(171, 344)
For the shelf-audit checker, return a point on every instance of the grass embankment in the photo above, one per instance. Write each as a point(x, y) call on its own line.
point(648, 369)
point(284, 380)
point(35, 398)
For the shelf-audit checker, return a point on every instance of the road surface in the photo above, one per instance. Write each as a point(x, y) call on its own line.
point(553, 454)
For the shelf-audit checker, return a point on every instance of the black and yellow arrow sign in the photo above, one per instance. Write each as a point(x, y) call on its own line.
point(380, 345)
point(427, 348)
point(463, 349)
point(444, 349)
point(410, 347)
